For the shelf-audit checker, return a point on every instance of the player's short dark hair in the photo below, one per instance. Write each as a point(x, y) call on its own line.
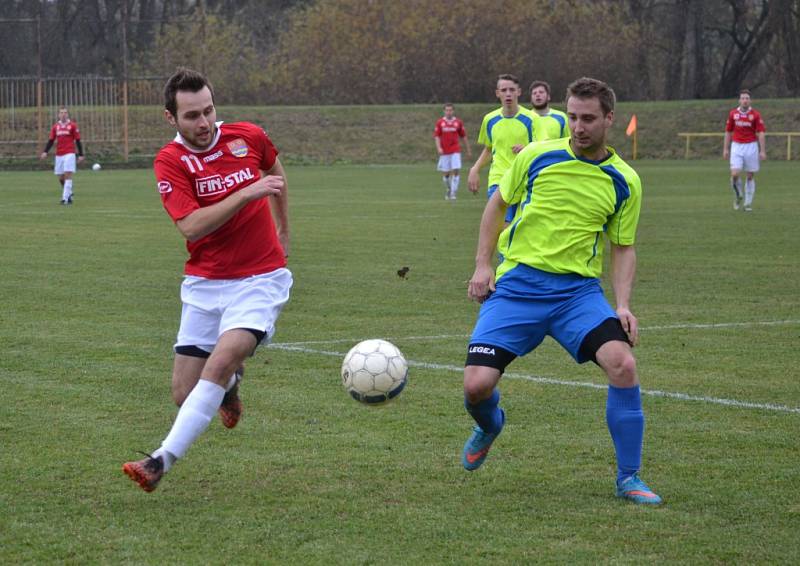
point(448, 105)
point(508, 77)
point(186, 80)
point(534, 84)
point(585, 87)
point(745, 91)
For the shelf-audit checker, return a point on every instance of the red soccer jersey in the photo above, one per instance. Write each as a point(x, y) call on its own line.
point(448, 132)
point(65, 136)
point(245, 245)
point(744, 125)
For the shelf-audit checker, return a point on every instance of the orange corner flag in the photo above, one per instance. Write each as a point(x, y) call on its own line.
point(631, 126)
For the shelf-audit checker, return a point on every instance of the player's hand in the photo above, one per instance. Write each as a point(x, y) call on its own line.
point(473, 181)
point(81, 158)
point(43, 155)
point(725, 154)
point(517, 148)
point(629, 324)
point(264, 187)
point(481, 284)
point(762, 155)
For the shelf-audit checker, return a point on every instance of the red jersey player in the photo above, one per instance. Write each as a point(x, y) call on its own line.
point(66, 135)
point(447, 133)
point(747, 130)
point(214, 180)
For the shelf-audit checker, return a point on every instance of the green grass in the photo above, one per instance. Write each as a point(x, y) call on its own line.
point(397, 133)
point(90, 310)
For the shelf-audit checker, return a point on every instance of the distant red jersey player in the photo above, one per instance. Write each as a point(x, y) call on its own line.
point(66, 136)
point(447, 133)
point(215, 181)
point(745, 143)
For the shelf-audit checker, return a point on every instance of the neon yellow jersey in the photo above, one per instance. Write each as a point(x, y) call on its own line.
point(551, 126)
point(565, 204)
point(500, 134)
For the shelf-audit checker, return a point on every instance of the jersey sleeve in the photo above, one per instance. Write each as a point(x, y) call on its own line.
point(483, 134)
point(437, 129)
point(622, 224)
point(729, 124)
point(760, 127)
point(175, 187)
point(76, 132)
point(462, 132)
point(269, 154)
point(53, 133)
point(513, 183)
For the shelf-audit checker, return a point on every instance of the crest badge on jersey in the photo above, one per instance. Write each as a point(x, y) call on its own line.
point(238, 147)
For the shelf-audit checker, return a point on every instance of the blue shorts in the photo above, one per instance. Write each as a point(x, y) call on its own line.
point(529, 304)
point(511, 211)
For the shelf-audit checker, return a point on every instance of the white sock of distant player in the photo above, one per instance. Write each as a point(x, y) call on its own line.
point(67, 193)
point(193, 418)
point(454, 179)
point(749, 191)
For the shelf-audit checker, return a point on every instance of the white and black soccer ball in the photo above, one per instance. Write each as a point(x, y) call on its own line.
point(374, 371)
point(96, 167)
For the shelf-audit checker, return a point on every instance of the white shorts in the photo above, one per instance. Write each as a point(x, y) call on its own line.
point(449, 162)
point(214, 306)
point(744, 156)
point(65, 164)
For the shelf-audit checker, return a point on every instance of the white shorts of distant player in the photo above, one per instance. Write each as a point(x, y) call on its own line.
point(744, 157)
point(64, 164)
point(449, 162)
point(214, 306)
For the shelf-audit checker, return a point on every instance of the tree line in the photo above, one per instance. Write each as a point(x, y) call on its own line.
point(414, 51)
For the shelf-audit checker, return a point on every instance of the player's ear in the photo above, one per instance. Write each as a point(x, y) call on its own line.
point(170, 118)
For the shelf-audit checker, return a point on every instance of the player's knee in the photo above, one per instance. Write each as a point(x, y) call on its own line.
point(620, 367)
point(479, 382)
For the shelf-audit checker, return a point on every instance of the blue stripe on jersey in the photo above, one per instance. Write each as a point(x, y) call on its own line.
point(528, 123)
point(490, 124)
point(620, 185)
point(537, 165)
point(560, 119)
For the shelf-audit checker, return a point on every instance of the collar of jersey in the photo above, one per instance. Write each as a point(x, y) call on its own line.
point(179, 139)
point(611, 154)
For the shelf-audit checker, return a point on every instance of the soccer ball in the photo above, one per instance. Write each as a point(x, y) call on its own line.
point(96, 167)
point(374, 372)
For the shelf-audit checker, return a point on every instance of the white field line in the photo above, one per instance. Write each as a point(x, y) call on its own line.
point(642, 329)
point(301, 347)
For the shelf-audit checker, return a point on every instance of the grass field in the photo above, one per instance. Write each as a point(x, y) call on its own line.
point(90, 308)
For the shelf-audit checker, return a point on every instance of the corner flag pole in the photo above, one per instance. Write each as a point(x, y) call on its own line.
point(633, 130)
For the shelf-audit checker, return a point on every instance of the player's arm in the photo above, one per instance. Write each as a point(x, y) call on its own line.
point(205, 220)
point(623, 272)
point(280, 210)
point(465, 141)
point(46, 149)
point(726, 145)
point(79, 146)
point(762, 145)
point(474, 178)
point(438, 144)
point(492, 221)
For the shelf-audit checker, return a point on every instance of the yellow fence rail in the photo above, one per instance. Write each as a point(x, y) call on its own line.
point(690, 135)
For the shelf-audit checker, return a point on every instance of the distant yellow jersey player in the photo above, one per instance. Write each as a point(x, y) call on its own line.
point(503, 134)
point(549, 123)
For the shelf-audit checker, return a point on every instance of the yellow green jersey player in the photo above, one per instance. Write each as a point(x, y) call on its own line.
point(549, 123)
point(570, 192)
point(503, 134)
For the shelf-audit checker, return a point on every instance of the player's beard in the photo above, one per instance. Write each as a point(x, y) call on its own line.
point(539, 106)
point(201, 141)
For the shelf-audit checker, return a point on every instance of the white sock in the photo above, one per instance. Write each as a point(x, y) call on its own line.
point(67, 193)
point(231, 382)
point(193, 417)
point(454, 185)
point(749, 191)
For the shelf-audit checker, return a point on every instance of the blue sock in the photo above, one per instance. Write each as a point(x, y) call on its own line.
point(487, 413)
point(625, 420)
